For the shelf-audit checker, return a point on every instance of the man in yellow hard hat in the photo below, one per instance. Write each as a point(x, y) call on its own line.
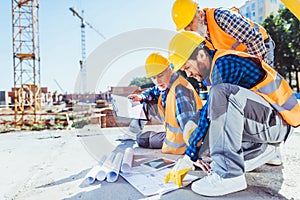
point(225, 29)
point(251, 109)
point(172, 100)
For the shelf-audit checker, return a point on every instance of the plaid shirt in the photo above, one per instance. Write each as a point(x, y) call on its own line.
point(228, 69)
point(185, 101)
point(241, 30)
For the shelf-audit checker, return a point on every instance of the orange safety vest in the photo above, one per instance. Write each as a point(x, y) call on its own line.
point(174, 142)
point(273, 88)
point(220, 39)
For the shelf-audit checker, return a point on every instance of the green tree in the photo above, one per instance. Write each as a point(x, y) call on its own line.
point(140, 81)
point(284, 29)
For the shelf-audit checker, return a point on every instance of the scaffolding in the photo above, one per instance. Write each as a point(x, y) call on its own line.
point(26, 61)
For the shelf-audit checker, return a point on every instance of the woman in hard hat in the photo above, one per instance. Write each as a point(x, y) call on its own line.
point(251, 109)
point(175, 101)
point(224, 28)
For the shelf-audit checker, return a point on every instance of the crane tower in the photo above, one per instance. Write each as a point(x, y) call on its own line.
point(83, 76)
point(83, 83)
point(26, 59)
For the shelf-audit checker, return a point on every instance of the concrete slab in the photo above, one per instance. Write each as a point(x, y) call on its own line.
point(52, 165)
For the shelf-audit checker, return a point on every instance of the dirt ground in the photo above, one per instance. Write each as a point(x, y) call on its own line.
point(52, 165)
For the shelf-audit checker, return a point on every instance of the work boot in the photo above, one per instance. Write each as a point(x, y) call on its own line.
point(214, 185)
point(268, 155)
point(277, 160)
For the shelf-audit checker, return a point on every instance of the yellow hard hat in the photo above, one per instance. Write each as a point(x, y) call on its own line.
point(183, 12)
point(156, 64)
point(182, 46)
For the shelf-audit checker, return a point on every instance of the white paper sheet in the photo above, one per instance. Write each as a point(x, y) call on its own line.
point(91, 176)
point(124, 107)
point(152, 183)
point(127, 160)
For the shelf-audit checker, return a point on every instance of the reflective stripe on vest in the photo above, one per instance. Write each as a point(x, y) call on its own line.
point(273, 88)
point(288, 105)
point(234, 46)
point(174, 142)
point(268, 89)
point(173, 129)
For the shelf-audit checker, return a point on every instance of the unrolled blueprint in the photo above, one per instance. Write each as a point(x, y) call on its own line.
point(152, 182)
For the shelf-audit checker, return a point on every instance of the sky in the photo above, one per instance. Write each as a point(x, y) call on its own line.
point(60, 38)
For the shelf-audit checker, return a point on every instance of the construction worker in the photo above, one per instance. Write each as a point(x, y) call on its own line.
point(225, 29)
point(251, 108)
point(172, 100)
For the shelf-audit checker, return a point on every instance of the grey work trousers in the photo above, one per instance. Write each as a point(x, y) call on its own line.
point(242, 124)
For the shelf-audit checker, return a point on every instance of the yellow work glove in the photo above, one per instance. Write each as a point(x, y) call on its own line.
point(179, 171)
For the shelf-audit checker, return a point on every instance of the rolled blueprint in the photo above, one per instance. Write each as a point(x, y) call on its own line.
point(91, 176)
point(106, 167)
point(127, 160)
point(113, 174)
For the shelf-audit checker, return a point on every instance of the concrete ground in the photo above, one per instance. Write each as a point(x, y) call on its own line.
point(52, 165)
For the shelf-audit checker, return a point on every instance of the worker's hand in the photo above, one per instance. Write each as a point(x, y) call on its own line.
point(135, 97)
point(205, 166)
point(179, 171)
point(189, 127)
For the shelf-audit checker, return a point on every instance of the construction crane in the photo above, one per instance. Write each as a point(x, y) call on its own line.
point(83, 84)
point(58, 85)
point(26, 60)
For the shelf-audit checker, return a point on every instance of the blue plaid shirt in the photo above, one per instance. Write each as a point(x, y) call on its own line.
point(228, 69)
point(185, 101)
point(240, 29)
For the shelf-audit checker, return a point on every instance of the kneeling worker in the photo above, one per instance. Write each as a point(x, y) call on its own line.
point(251, 109)
point(172, 100)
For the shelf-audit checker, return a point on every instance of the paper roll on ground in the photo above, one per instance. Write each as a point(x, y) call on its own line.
point(127, 160)
point(102, 173)
point(91, 176)
point(113, 174)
